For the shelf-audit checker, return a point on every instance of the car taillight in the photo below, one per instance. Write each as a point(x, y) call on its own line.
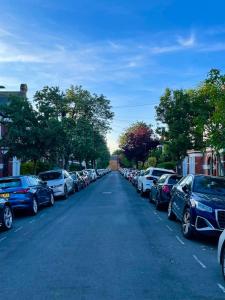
point(166, 189)
point(150, 178)
point(22, 191)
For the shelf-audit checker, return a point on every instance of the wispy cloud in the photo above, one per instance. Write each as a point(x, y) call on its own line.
point(187, 42)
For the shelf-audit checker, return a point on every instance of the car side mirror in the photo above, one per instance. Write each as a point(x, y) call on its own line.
point(155, 181)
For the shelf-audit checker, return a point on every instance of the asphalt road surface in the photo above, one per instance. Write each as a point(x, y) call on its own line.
point(105, 242)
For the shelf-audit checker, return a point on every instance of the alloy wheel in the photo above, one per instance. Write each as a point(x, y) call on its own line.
point(7, 217)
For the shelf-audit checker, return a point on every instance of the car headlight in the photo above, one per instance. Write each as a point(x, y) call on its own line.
point(203, 207)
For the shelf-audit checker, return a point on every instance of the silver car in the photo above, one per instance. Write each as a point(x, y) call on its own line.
point(59, 181)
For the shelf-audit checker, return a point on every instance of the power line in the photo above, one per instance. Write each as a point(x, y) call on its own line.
point(138, 105)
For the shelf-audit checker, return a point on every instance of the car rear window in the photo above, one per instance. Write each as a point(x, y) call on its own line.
point(159, 173)
point(174, 179)
point(50, 176)
point(209, 185)
point(10, 183)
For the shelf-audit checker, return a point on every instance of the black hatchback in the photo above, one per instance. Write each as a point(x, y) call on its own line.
point(198, 201)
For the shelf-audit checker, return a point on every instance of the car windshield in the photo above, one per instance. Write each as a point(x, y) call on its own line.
point(209, 185)
point(174, 179)
point(159, 173)
point(10, 183)
point(50, 176)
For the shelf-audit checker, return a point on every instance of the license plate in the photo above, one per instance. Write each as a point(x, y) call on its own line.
point(6, 195)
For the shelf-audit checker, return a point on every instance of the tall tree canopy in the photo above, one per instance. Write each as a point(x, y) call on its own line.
point(137, 141)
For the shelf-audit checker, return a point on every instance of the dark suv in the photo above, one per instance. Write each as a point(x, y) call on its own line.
point(198, 201)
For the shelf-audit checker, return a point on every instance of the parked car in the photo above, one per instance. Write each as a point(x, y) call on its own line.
point(77, 181)
point(59, 181)
point(145, 181)
point(92, 173)
point(6, 214)
point(221, 253)
point(198, 201)
point(26, 193)
point(161, 190)
point(84, 175)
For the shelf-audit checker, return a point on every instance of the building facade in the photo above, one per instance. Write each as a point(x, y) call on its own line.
point(207, 162)
point(9, 165)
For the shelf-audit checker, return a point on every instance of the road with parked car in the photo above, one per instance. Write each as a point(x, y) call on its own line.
point(106, 241)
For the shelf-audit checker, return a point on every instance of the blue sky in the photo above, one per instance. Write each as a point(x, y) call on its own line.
point(128, 50)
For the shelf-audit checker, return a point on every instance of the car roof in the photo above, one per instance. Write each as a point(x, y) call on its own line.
point(51, 171)
point(160, 169)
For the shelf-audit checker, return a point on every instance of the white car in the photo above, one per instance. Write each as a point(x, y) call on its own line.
point(59, 181)
point(221, 252)
point(92, 173)
point(145, 180)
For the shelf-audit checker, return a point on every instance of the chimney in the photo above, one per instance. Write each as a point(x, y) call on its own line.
point(23, 89)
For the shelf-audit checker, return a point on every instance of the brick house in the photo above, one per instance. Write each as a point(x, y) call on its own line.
point(197, 162)
point(9, 165)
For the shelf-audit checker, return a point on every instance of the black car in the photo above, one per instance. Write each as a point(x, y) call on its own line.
point(161, 190)
point(198, 201)
point(77, 180)
point(6, 215)
point(26, 193)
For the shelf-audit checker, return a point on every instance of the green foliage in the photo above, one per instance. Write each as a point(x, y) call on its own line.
point(151, 162)
point(75, 167)
point(29, 166)
point(171, 165)
point(61, 126)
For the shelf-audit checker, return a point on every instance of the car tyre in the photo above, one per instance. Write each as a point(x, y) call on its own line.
point(7, 218)
point(187, 229)
point(170, 214)
point(150, 197)
point(52, 200)
point(157, 203)
point(65, 196)
point(142, 192)
point(223, 263)
point(34, 208)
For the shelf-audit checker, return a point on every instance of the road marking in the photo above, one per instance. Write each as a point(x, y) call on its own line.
point(159, 218)
point(170, 229)
point(179, 240)
point(198, 261)
point(18, 229)
point(221, 287)
point(32, 221)
point(155, 213)
point(2, 239)
point(106, 192)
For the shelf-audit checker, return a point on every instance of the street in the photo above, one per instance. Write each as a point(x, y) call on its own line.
point(106, 242)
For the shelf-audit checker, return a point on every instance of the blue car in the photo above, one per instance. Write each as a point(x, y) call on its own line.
point(198, 201)
point(25, 193)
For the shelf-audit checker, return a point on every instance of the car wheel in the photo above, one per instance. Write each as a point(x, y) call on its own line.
point(52, 200)
point(142, 192)
point(34, 208)
point(73, 189)
point(187, 229)
point(223, 262)
point(157, 203)
point(150, 197)
point(7, 217)
point(171, 215)
point(65, 196)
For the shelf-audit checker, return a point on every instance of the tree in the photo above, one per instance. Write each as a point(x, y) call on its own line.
point(175, 111)
point(210, 121)
point(137, 141)
point(23, 138)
